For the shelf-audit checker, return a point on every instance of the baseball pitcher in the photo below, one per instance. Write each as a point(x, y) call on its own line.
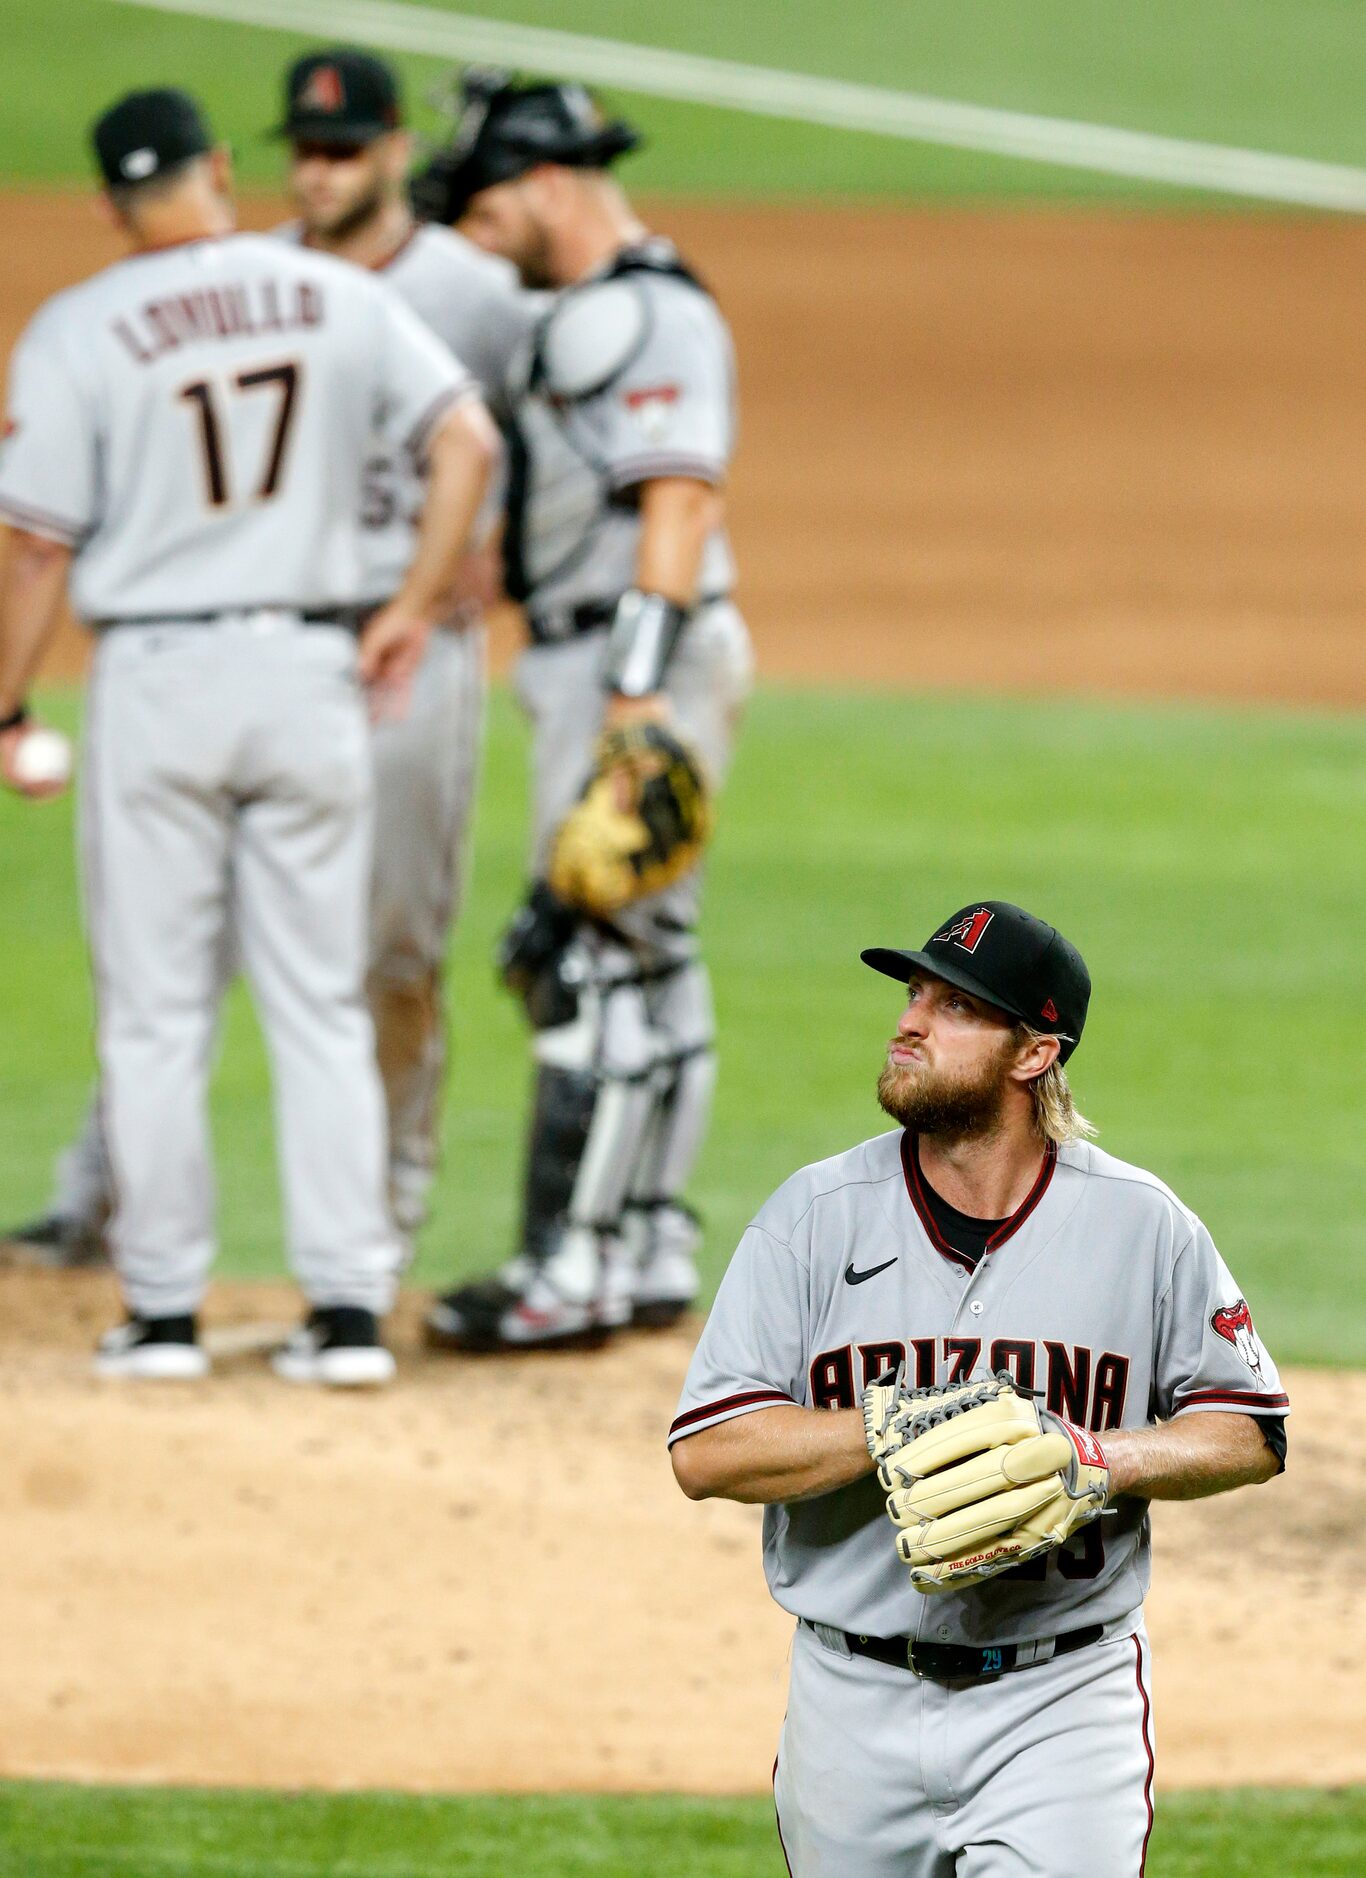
point(955, 1365)
point(186, 439)
point(619, 437)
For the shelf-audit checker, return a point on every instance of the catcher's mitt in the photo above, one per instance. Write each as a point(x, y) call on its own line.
point(641, 822)
point(979, 1478)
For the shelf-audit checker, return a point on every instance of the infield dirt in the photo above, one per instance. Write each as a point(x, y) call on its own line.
point(486, 1578)
point(1032, 452)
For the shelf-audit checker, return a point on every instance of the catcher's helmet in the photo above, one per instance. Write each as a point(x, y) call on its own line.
point(505, 129)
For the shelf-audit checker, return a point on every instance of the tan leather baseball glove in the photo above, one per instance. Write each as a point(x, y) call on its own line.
point(640, 824)
point(979, 1478)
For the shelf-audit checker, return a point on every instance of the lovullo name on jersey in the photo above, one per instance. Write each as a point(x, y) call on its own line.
point(230, 310)
point(1076, 1383)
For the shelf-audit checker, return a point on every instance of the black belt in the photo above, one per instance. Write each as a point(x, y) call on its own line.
point(957, 1662)
point(352, 618)
point(560, 623)
point(567, 622)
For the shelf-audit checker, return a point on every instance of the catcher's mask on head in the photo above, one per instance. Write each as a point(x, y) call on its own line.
point(504, 130)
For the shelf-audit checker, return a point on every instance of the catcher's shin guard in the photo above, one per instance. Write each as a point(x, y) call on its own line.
point(591, 1107)
point(662, 1233)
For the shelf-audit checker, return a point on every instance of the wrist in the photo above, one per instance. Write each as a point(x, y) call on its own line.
point(1123, 1458)
point(645, 629)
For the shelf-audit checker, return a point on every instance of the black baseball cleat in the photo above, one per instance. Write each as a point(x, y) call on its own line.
point(337, 1345)
point(56, 1240)
point(152, 1349)
point(515, 1309)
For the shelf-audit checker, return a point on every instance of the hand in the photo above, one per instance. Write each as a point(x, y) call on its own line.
point(10, 740)
point(653, 709)
point(391, 649)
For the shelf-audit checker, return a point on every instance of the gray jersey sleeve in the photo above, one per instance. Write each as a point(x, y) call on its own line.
point(48, 460)
point(670, 412)
point(486, 330)
point(418, 378)
point(752, 1352)
point(1208, 1354)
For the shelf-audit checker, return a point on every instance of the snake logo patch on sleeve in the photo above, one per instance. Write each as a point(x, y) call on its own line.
point(1234, 1322)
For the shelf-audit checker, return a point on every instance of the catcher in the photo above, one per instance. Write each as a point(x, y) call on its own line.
point(955, 1364)
point(621, 429)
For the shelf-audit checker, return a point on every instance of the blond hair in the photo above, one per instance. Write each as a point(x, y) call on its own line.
point(1056, 1116)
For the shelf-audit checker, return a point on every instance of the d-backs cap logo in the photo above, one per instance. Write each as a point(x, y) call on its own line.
point(967, 931)
point(324, 90)
point(1234, 1322)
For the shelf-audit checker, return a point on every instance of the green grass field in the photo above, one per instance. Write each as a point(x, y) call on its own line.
point(1210, 863)
point(1266, 74)
point(80, 1832)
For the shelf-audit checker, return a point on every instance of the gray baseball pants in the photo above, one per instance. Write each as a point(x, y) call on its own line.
point(560, 688)
point(226, 810)
point(1041, 1773)
point(425, 775)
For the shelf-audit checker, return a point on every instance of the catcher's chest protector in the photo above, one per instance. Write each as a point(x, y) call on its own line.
point(629, 375)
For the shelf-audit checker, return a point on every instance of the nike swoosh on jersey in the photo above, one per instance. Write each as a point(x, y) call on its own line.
point(851, 1277)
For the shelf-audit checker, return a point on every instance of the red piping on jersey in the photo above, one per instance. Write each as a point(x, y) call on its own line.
point(378, 267)
point(1148, 1750)
point(374, 267)
point(745, 1399)
point(1241, 1396)
point(910, 1167)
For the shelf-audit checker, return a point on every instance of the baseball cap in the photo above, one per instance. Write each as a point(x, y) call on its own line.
point(340, 95)
point(1007, 957)
point(505, 129)
point(146, 133)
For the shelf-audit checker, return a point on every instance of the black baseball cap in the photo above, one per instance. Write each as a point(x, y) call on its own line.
point(1007, 957)
point(505, 129)
point(340, 95)
point(147, 133)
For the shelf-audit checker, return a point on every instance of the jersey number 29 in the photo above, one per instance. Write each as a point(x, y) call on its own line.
point(203, 396)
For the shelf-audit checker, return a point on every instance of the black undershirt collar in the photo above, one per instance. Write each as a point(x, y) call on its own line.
point(967, 1236)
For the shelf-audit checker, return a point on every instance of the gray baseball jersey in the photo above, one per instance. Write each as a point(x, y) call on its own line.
point(1103, 1291)
point(472, 303)
point(156, 412)
point(627, 377)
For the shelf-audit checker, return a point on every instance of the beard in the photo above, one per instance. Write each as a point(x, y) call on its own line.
point(529, 252)
point(952, 1105)
point(344, 223)
point(534, 269)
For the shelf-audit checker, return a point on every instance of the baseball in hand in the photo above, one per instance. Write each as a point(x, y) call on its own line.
point(43, 757)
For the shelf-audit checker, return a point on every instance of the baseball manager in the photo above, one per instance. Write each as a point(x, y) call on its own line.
point(955, 1364)
point(186, 437)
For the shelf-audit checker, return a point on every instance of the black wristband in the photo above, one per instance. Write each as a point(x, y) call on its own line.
point(18, 716)
point(645, 629)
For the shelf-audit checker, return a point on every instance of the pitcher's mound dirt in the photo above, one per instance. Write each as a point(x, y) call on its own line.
point(486, 1578)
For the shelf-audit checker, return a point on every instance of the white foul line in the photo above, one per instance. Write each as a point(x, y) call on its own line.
point(808, 99)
